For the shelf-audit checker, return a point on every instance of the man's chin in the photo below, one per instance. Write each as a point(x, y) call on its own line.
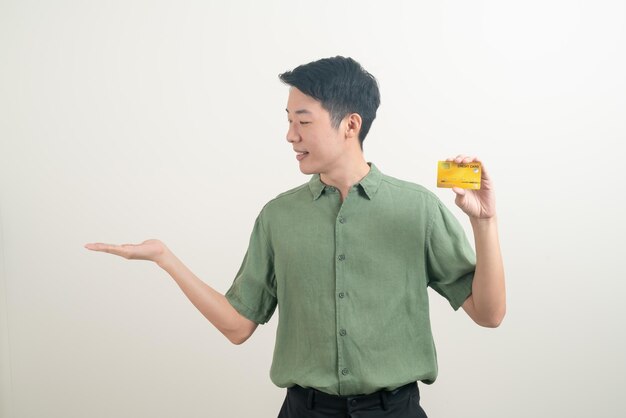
point(306, 170)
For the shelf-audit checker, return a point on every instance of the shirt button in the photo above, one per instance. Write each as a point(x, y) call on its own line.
point(341, 220)
point(341, 257)
point(341, 295)
point(344, 372)
point(342, 332)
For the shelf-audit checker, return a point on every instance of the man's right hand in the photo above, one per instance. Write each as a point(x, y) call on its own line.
point(212, 304)
point(152, 250)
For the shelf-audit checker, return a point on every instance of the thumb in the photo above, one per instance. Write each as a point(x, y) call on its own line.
point(459, 191)
point(460, 196)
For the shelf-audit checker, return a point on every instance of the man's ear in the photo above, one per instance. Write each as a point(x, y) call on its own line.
point(353, 125)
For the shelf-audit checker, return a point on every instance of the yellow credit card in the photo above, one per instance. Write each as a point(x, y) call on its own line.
point(463, 175)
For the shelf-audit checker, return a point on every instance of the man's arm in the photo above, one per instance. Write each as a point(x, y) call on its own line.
point(212, 304)
point(487, 303)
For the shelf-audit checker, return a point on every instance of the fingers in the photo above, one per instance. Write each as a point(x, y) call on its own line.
point(97, 246)
point(108, 248)
point(462, 158)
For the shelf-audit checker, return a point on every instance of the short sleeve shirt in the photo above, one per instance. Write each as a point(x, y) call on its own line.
point(350, 282)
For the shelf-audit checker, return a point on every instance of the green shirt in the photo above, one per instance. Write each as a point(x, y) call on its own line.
point(350, 281)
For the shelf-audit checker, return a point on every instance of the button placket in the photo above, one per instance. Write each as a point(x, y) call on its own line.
point(340, 302)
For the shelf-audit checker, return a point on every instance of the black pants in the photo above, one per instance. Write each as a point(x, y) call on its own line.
point(402, 402)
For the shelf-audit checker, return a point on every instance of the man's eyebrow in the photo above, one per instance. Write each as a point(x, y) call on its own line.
point(301, 111)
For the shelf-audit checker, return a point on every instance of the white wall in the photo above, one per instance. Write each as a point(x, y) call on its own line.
point(127, 120)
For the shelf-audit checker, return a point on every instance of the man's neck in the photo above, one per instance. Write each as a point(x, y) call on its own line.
point(345, 177)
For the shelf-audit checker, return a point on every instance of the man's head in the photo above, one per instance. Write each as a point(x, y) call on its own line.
point(341, 86)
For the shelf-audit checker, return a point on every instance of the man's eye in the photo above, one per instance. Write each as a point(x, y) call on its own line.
point(304, 123)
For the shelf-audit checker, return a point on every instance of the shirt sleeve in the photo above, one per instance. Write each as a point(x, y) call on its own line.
point(253, 291)
point(451, 261)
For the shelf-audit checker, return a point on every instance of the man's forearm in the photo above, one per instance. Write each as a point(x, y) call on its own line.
point(488, 289)
point(212, 304)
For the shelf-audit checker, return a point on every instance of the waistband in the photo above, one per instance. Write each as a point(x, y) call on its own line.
point(315, 398)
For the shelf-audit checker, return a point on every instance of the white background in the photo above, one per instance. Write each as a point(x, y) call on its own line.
point(127, 120)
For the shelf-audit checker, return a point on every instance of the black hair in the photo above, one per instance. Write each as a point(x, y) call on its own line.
point(342, 86)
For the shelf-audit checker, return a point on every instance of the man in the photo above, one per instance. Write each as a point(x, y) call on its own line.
point(347, 257)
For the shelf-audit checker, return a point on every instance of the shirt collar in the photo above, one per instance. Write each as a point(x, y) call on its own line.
point(369, 183)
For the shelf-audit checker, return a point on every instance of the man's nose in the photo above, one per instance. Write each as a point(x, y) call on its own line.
point(292, 135)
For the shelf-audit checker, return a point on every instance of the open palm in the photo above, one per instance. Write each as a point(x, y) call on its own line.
point(151, 249)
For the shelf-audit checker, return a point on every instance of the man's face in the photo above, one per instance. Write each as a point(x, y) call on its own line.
point(310, 130)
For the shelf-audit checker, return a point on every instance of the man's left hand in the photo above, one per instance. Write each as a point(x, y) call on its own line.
point(479, 204)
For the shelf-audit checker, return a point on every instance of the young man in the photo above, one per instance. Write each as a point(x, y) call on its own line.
point(347, 257)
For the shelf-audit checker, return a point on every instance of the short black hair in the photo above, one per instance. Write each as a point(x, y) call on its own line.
point(342, 86)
